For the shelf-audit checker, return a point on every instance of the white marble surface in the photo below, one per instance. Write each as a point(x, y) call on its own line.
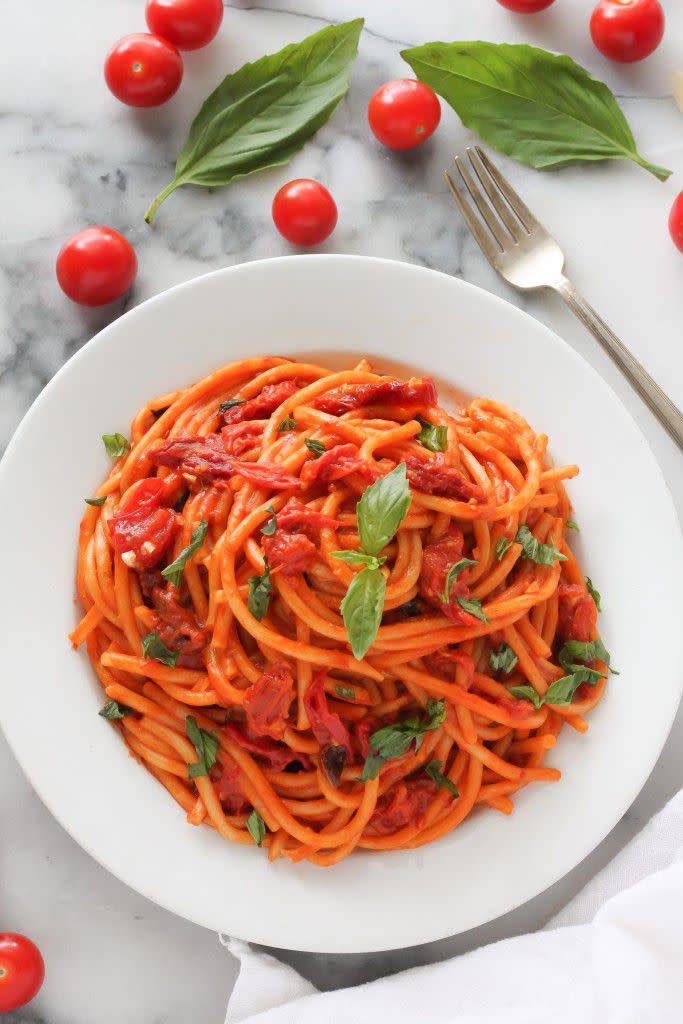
point(70, 155)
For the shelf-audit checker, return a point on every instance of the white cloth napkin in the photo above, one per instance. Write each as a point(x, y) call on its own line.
point(614, 955)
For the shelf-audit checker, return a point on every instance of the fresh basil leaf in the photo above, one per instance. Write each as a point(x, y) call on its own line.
point(333, 759)
point(206, 745)
point(562, 690)
point(503, 660)
point(360, 558)
point(316, 448)
point(473, 606)
point(288, 423)
point(433, 770)
point(257, 827)
point(260, 588)
point(541, 554)
point(96, 502)
point(263, 114)
point(595, 594)
point(502, 548)
point(373, 763)
point(270, 525)
point(394, 740)
point(538, 107)
point(433, 436)
point(452, 574)
point(347, 692)
point(113, 709)
point(116, 445)
point(573, 525)
point(578, 650)
point(362, 609)
point(230, 404)
point(526, 693)
point(154, 649)
point(174, 571)
point(382, 508)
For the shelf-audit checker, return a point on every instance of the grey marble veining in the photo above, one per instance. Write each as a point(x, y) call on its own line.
point(70, 155)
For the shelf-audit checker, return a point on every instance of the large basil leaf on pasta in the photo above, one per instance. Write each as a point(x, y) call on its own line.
point(541, 108)
point(262, 115)
point(362, 609)
point(382, 508)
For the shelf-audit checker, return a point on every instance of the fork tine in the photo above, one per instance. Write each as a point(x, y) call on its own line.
point(516, 202)
point(482, 237)
point(514, 226)
point(481, 203)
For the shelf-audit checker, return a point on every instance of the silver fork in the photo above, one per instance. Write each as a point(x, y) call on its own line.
point(528, 257)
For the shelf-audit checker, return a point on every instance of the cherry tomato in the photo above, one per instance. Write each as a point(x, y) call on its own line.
point(526, 6)
point(21, 970)
point(188, 24)
point(676, 221)
point(627, 30)
point(403, 113)
point(304, 212)
point(96, 265)
point(143, 70)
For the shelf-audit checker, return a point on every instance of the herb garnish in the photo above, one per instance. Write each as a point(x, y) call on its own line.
point(502, 548)
point(316, 448)
point(472, 605)
point(260, 588)
point(503, 660)
point(116, 445)
point(174, 571)
point(452, 574)
point(346, 692)
point(395, 740)
point(257, 827)
point(562, 690)
point(573, 525)
point(230, 404)
point(113, 709)
point(288, 423)
point(206, 745)
point(433, 436)
point(595, 594)
point(270, 525)
point(96, 502)
point(154, 649)
point(433, 770)
point(541, 554)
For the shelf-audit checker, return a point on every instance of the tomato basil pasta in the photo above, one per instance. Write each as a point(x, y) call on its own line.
point(329, 615)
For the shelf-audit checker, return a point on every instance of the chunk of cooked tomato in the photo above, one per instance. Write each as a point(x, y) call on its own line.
point(229, 789)
point(142, 524)
point(338, 462)
point(327, 726)
point(264, 405)
point(416, 393)
point(267, 701)
point(363, 730)
point(289, 553)
point(445, 660)
point(297, 516)
point(178, 627)
point(437, 559)
point(277, 755)
point(242, 438)
point(435, 476)
point(577, 614)
point(207, 459)
point(405, 804)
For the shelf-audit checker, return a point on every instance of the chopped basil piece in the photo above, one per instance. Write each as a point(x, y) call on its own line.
point(573, 525)
point(112, 709)
point(116, 445)
point(541, 554)
point(360, 558)
point(288, 423)
point(230, 404)
point(395, 740)
point(333, 759)
point(174, 571)
point(316, 448)
point(473, 606)
point(526, 693)
point(452, 575)
point(433, 436)
point(96, 502)
point(561, 691)
point(270, 525)
point(503, 660)
point(595, 594)
point(347, 692)
point(206, 745)
point(587, 652)
point(373, 763)
point(433, 770)
point(257, 827)
point(154, 649)
point(260, 588)
point(502, 548)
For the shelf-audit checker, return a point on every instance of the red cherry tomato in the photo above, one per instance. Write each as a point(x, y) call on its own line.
point(676, 221)
point(21, 970)
point(304, 212)
point(143, 70)
point(526, 6)
point(403, 113)
point(627, 30)
point(96, 265)
point(188, 24)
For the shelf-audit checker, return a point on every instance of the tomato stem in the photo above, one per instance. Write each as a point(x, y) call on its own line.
point(154, 206)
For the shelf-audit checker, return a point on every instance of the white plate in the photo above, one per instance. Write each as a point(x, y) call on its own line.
point(49, 697)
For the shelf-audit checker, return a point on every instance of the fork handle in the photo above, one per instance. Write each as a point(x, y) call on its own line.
point(668, 414)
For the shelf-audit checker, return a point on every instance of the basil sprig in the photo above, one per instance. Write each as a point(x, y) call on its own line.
point(257, 827)
point(116, 445)
point(595, 594)
point(263, 114)
point(561, 692)
point(260, 589)
point(380, 511)
point(433, 436)
point(270, 525)
point(541, 554)
point(174, 571)
point(394, 740)
point(452, 574)
point(206, 745)
point(154, 649)
point(113, 709)
point(503, 660)
point(433, 770)
point(538, 107)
